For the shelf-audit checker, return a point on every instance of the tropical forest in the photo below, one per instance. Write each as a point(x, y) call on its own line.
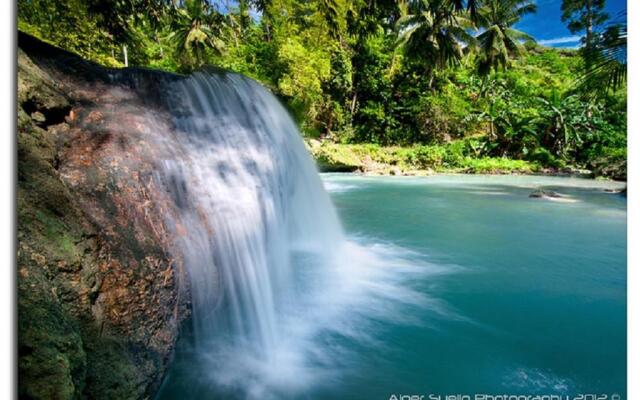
point(387, 86)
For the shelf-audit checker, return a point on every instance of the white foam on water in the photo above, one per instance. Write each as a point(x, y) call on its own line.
point(336, 186)
point(536, 380)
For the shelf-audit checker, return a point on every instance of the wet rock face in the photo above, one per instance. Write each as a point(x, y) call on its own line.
point(100, 288)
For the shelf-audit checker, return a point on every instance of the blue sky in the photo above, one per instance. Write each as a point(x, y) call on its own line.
point(549, 30)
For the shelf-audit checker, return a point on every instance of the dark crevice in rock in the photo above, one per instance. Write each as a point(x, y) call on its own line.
point(44, 116)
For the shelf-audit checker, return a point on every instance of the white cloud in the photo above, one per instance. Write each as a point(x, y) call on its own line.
point(560, 40)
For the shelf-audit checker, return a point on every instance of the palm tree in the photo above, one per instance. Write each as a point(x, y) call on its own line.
point(196, 28)
point(607, 67)
point(471, 6)
point(499, 41)
point(434, 32)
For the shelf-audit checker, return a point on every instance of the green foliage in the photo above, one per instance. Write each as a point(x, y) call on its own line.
point(583, 15)
point(70, 25)
point(305, 71)
point(457, 156)
point(500, 41)
point(433, 32)
point(410, 73)
point(607, 62)
point(488, 165)
point(195, 31)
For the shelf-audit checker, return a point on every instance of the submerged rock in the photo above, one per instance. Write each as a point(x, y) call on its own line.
point(544, 193)
point(622, 192)
point(100, 288)
point(552, 196)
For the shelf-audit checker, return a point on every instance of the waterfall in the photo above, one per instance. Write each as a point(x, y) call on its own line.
point(248, 196)
point(277, 291)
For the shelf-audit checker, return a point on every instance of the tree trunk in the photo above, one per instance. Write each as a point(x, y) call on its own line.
point(159, 44)
point(329, 125)
point(588, 48)
point(124, 52)
point(589, 22)
point(354, 99)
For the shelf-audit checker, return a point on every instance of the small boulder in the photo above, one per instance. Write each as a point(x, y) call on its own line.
point(544, 193)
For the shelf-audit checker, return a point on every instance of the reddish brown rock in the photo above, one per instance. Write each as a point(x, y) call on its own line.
point(101, 293)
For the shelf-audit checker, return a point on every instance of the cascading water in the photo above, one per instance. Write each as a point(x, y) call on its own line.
point(248, 193)
point(271, 276)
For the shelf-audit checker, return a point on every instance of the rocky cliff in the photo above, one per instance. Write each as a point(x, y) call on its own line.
point(100, 289)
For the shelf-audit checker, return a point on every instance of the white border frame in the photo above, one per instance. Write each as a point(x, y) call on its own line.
point(8, 348)
point(633, 195)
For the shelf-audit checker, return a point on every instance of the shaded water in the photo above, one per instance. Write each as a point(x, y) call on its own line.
point(440, 285)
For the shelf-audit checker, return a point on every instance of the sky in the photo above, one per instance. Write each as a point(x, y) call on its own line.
point(549, 30)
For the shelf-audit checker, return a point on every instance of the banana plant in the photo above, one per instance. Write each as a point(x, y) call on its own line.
point(567, 122)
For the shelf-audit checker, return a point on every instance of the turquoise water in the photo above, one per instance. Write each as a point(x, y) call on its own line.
point(463, 285)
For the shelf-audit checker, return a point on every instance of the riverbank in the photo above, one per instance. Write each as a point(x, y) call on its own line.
point(373, 159)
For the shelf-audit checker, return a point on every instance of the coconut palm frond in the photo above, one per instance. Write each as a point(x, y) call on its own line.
point(499, 42)
point(607, 69)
